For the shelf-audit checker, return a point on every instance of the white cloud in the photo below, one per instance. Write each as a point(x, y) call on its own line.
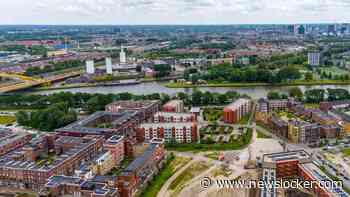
point(173, 11)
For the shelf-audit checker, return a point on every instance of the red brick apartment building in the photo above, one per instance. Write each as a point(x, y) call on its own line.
point(107, 124)
point(291, 164)
point(26, 168)
point(146, 109)
point(174, 106)
point(99, 186)
point(116, 145)
point(10, 141)
point(183, 132)
point(142, 169)
point(234, 112)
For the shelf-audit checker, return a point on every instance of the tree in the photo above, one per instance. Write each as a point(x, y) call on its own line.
point(296, 93)
point(162, 70)
point(273, 95)
point(188, 72)
point(197, 97)
point(337, 94)
point(222, 98)
point(288, 73)
point(315, 95)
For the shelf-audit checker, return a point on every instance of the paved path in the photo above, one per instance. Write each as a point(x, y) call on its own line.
point(164, 191)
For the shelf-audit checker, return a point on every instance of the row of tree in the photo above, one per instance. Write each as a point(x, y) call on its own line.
point(48, 119)
point(54, 67)
point(313, 95)
point(227, 73)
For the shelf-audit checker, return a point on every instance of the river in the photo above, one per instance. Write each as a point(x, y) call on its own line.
point(155, 87)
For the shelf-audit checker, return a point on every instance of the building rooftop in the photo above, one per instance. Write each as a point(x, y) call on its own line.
point(318, 175)
point(9, 160)
point(89, 125)
point(173, 102)
point(285, 156)
point(115, 139)
point(195, 109)
point(174, 114)
point(234, 105)
point(96, 185)
point(134, 104)
point(7, 136)
point(166, 124)
point(141, 160)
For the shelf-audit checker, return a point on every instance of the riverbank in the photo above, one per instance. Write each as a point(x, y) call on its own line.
point(294, 83)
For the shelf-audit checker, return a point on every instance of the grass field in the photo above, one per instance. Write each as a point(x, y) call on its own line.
point(237, 144)
point(170, 167)
point(4, 120)
point(346, 152)
point(262, 135)
point(212, 114)
point(192, 171)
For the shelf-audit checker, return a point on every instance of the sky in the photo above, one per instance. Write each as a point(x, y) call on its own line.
point(130, 12)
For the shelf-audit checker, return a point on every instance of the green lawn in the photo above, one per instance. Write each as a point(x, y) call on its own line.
point(187, 175)
point(170, 167)
point(262, 135)
point(237, 144)
point(211, 114)
point(346, 152)
point(245, 119)
point(4, 120)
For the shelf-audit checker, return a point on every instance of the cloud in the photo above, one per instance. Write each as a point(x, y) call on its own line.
point(174, 11)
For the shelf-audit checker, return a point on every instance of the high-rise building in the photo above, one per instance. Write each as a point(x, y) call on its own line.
point(301, 30)
point(109, 69)
point(122, 55)
point(90, 67)
point(314, 58)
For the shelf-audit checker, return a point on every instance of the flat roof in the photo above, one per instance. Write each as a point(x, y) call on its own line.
point(81, 126)
point(141, 160)
point(7, 136)
point(318, 175)
point(167, 124)
point(174, 114)
point(8, 161)
point(237, 103)
point(285, 156)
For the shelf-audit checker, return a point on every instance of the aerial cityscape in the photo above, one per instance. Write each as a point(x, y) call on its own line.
point(151, 98)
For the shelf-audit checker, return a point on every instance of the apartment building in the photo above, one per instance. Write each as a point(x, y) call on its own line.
point(142, 169)
point(174, 106)
point(32, 165)
point(116, 146)
point(304, 132)
point(234, 112)
point(174, 117)
point(10, 141)
point(278, 126)
point(99, 186)
point(293, 164)
point(183, 132)
point(145, 108)
point(106, 124)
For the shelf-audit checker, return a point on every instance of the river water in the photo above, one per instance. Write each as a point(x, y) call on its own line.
point(155, 87)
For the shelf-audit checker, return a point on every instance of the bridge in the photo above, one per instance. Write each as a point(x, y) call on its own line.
point(30, 82)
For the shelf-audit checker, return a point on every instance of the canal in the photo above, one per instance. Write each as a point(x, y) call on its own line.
point(155, 87)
